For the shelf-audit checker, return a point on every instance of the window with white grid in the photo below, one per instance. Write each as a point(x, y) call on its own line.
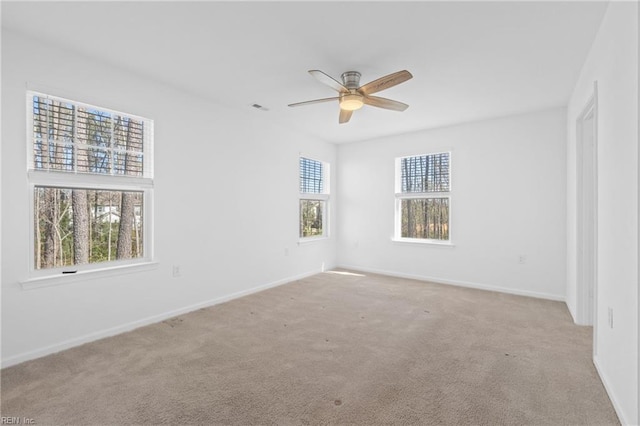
point(423, 197)
point(90, 173)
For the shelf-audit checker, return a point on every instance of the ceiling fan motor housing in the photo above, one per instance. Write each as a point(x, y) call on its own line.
point(351, 79)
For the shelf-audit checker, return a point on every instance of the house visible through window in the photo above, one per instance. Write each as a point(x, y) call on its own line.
point(423, 197)
point(90, 174)
point(314, 197)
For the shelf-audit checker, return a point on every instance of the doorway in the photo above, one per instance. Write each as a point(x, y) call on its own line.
point(587, 214)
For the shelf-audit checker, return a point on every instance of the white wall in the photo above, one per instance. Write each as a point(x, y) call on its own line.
point(508, 199)
point(613, 63)
point(226, 205)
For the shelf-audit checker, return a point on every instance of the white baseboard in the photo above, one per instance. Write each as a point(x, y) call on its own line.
point(67, 344)
point(468, 284)
point(573, 314)
point(612, 396)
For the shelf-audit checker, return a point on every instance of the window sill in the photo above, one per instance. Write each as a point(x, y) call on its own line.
point(58, 279)
point(303, 241)
point(415, 241)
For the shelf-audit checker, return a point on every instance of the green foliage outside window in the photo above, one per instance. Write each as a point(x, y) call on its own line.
point(311, 218)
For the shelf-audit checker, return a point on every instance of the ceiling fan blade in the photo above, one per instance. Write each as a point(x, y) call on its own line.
point(315, 101)
point(345, 116)
point(328, 80)
point(385, 82)
point(385, 103)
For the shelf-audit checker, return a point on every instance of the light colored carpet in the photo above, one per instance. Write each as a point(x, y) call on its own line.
point(329, 349)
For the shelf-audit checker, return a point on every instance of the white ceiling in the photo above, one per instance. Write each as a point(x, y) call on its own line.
point(470, 60)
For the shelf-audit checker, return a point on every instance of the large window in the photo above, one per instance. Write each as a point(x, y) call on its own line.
point(423, 197)
point(314, 198)
point(90, 177)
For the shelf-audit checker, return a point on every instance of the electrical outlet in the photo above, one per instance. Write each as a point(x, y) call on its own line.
point(522, 259)
point(286, 251)
point(610, 317)
point(177, 271)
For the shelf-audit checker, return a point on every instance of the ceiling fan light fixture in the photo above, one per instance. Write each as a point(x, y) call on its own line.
point(351, 102)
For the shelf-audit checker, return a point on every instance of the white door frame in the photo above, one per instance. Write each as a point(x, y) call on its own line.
point(587, 213)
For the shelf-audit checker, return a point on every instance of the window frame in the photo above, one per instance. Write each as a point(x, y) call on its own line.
point(400, 196)
point(91, 181)
point(323, 196)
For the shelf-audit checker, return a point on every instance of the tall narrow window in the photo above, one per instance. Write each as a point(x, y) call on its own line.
point(423, 197)
point(314, 198)
point(90, 177)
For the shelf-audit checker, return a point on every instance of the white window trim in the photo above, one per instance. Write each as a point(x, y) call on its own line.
point(429, 241)
point(399, 196)
point(61, 275)
point(98, 271)
point(422, 241)
point(89, 181)
point(324, 196)
point(41, 275)
point(325, 218)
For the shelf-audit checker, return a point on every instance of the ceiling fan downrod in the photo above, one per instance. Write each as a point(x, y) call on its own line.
point(351, 79)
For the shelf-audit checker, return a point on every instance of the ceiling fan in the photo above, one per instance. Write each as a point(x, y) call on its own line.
point(352, 96)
